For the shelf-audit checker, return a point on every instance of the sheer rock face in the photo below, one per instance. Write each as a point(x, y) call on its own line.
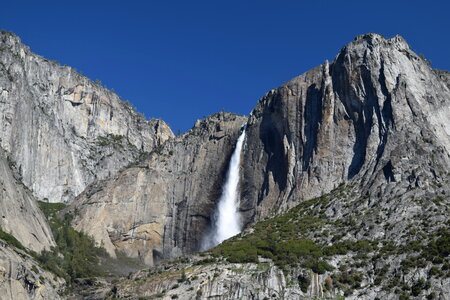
point(21, 278)
point(161, 207)
point(19, 211)
point(377, 115)
point(62, 130)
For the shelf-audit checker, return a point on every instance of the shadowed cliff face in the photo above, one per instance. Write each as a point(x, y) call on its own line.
point(376, 115)
point(62, 130)
point(161, 207)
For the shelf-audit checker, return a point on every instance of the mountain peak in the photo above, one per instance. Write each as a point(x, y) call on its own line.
point(369, 36)
point(9, 38)
point(373, 39)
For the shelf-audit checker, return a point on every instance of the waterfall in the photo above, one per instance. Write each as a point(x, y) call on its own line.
point(226, 218)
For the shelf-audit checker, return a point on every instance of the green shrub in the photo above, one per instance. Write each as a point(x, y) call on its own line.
point(319, 267)
point(238, 252)
point(418, 287)
point(434, 271)
point(110, 139)
point(349, 279)
point(11, 240)
point(183, 277)
point(404, 296)
point(159, 295)
point(439, 249)
point(205, 261)
point(75, 254)
point(51, 210)
point(304, 282)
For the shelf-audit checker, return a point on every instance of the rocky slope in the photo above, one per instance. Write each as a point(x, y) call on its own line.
point(22, 278)
point(62, 130)
point(20, 214)
point(195, 279)
point(161, 207)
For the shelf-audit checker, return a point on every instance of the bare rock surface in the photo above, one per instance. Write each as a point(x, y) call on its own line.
point(21, 278)
point(19, 211)
point(62, 130)
point(194, 279)
point(161, 207)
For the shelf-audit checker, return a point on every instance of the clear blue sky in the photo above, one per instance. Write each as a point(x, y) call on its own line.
point(182, 60)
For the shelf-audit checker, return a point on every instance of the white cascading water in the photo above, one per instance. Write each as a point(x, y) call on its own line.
point(227, 221)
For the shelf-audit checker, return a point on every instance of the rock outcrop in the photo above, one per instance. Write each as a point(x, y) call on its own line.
point(222, 281)
point(62, 130)
point(228, 281)
point(19, 211)
point(161, 207)
point(23, 279)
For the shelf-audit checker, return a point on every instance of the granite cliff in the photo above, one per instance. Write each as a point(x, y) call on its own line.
point(62, 130)
point(21, 277)
point(59, 133)
point(378, 115)
point(20, 213)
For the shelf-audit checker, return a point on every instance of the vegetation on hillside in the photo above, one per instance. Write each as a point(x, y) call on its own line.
point(306, 237)
point(75, 255)
point(10, 240)
point(284, 240)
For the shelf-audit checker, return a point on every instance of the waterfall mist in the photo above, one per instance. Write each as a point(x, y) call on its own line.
point(226, 219)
